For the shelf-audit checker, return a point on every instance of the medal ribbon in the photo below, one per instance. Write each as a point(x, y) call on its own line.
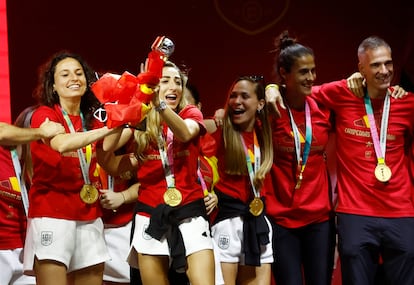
point(84, 162)
point(203, 183)
point(110, 183)
point(20, 179)
point(111, 187)
point(107, 180)
point(296, 138)
point(257, 161)
point(379, 144)
point(167, 157)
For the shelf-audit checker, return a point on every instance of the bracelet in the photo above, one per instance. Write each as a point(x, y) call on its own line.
point(218, 123)
point(268, 86)
point(161, 107)
point(122, 193)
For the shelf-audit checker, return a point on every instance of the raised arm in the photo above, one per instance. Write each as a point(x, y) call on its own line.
point(184, 129)
point(274, 98)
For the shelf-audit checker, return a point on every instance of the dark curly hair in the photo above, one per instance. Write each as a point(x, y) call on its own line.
point(45, 95)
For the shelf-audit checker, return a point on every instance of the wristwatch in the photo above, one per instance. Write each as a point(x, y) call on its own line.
point(161, 107)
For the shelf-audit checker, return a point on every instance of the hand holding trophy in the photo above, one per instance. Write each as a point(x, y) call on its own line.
point(125, 97)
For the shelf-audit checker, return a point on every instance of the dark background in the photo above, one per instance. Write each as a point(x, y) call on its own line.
point(217, 40)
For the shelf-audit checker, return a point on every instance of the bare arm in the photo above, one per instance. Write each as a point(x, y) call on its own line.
point(12, 135)
point(72, 141)
point(211, 125)
point(117, 139)
point(184, 130)
point(116, 165)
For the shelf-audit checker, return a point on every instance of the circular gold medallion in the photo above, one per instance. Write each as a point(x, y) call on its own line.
point(382, 172)
point(256, 206)
point(89, 194)
point(172, 197)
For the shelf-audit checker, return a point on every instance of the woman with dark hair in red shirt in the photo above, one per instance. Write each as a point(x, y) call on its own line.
point(65, 232)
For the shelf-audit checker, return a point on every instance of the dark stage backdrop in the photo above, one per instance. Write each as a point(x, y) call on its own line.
point(217, 40)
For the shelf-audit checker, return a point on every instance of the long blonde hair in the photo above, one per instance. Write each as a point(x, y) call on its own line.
point(235, 158)
point(151, 130)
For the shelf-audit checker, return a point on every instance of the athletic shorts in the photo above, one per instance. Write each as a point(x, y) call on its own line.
point(76, 244)
point(217, 265)
point(11, 264)
point(117, 242)
point(228, 235)
point(195, 232)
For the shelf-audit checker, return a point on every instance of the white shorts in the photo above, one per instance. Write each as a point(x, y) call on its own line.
point(76, 244)
point(195, 232)
point(217, 265)
point(11, 264)
point(228, 234)
point(117, 242)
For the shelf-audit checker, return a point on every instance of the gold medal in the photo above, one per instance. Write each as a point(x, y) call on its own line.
point(172, 197)
point(256, 206)
point(89, 194)
point(382, 172)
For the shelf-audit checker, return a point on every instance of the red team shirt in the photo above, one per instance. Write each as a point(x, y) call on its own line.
point(57, 178)
point(235, 186)
point(12, 216)
point(310, 203)
point(151, 173)
point(359, 192)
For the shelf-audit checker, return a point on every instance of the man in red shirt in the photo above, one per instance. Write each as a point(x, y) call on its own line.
point(375, 208)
